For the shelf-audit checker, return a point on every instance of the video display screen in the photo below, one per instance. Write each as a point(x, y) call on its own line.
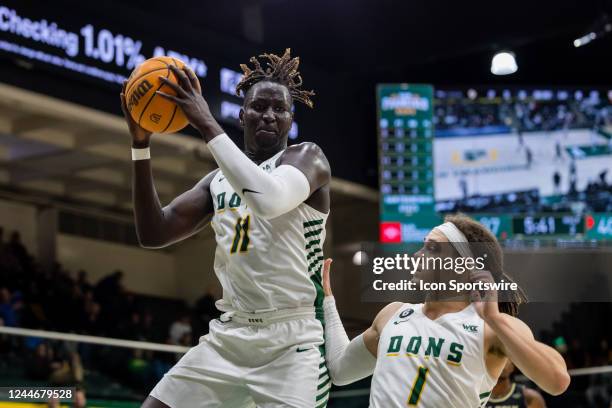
point(525, 161)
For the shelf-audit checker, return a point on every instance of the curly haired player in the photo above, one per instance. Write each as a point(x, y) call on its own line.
point(450, 350)
point(267, 205)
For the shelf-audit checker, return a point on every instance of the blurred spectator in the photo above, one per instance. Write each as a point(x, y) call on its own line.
point(10, 306)
point(180, 328)
point(205, 311)
point(109, 287)
point(79, 400)
point(45, 365)
point(53, 403)
point(91, 321)
point(51, 299)
point(147, 332)
point(83, 282)
point(38, 365)
point(18, 249)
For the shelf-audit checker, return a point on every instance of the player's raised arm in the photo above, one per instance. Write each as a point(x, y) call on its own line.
point(539, 362)
point(350, 361)
point(514, 339)
point(302, 169)
point(156, 226)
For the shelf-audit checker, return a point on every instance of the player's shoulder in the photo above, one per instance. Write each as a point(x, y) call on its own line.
point(305, 148)
point(308, 157)
point(385, 314)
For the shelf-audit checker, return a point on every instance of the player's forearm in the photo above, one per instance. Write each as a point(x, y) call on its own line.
point(347, 361)
point(148, 212)
point(540, 363)
point(268, 195)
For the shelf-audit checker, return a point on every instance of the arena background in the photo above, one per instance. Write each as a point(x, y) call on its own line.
point(70, 259)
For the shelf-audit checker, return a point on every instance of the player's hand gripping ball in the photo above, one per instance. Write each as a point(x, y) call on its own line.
point(148, 109)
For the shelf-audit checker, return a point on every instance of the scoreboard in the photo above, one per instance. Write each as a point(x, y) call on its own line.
point(405, 127)
point(594, 226)
point(408, 147)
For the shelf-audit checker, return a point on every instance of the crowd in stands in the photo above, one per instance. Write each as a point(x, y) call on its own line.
point(51, 299)
point(32, 296)
point(582, 335)
point(525, 115)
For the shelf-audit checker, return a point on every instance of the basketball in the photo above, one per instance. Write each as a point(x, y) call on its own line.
point(151, 111)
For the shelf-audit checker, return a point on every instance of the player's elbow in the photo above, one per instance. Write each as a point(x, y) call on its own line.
point(560, 384)
point(150, 241)
point(336, 375)
point(267, 208)
point(341, 382)
point(150, 244)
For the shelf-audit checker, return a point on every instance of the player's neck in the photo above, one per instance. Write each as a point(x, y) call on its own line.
point(436, 308)
point(260, 156)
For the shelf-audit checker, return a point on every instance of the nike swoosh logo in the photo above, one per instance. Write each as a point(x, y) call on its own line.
point(248, 190)
point(301, 350)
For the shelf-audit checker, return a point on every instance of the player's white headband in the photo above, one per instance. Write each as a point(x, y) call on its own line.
point(456, 238)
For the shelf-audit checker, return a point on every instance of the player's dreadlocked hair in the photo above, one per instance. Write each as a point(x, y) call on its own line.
point(283, 70)
point(484, 244)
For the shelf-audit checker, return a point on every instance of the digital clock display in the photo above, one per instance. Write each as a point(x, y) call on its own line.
point(548, 225)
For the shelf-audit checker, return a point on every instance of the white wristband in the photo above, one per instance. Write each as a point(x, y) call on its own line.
point(141, 154)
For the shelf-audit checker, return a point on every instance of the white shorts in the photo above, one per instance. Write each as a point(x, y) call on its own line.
point(236, 365)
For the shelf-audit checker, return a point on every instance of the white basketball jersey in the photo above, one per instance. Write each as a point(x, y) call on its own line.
point(266, 264)
point(431, 363)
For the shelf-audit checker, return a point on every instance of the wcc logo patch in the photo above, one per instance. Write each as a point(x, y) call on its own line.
point(470, 328)
point(404, 314)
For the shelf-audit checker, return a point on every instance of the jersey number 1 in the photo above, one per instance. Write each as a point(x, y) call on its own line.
point(417, 386)
point(241, 237)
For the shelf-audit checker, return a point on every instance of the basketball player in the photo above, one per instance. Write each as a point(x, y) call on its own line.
point(508, 394)
point(267, 206)
point(445, 352)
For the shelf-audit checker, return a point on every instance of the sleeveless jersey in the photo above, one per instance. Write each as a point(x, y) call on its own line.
point(431, 363)
point(266, 264)
point(515, 398)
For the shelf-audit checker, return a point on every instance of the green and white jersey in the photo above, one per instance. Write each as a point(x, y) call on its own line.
point(431, 363)
point(266, 264)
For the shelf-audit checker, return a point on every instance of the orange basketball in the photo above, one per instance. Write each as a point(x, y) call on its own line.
point(151, 111)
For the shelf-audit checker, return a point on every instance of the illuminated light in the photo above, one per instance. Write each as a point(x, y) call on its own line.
point(293, 132)
point(230, 110)
point(589, 222)
point(229, 79)
point(503, 63)
point(360, 258)
point(585, 39)
point(472, 94)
